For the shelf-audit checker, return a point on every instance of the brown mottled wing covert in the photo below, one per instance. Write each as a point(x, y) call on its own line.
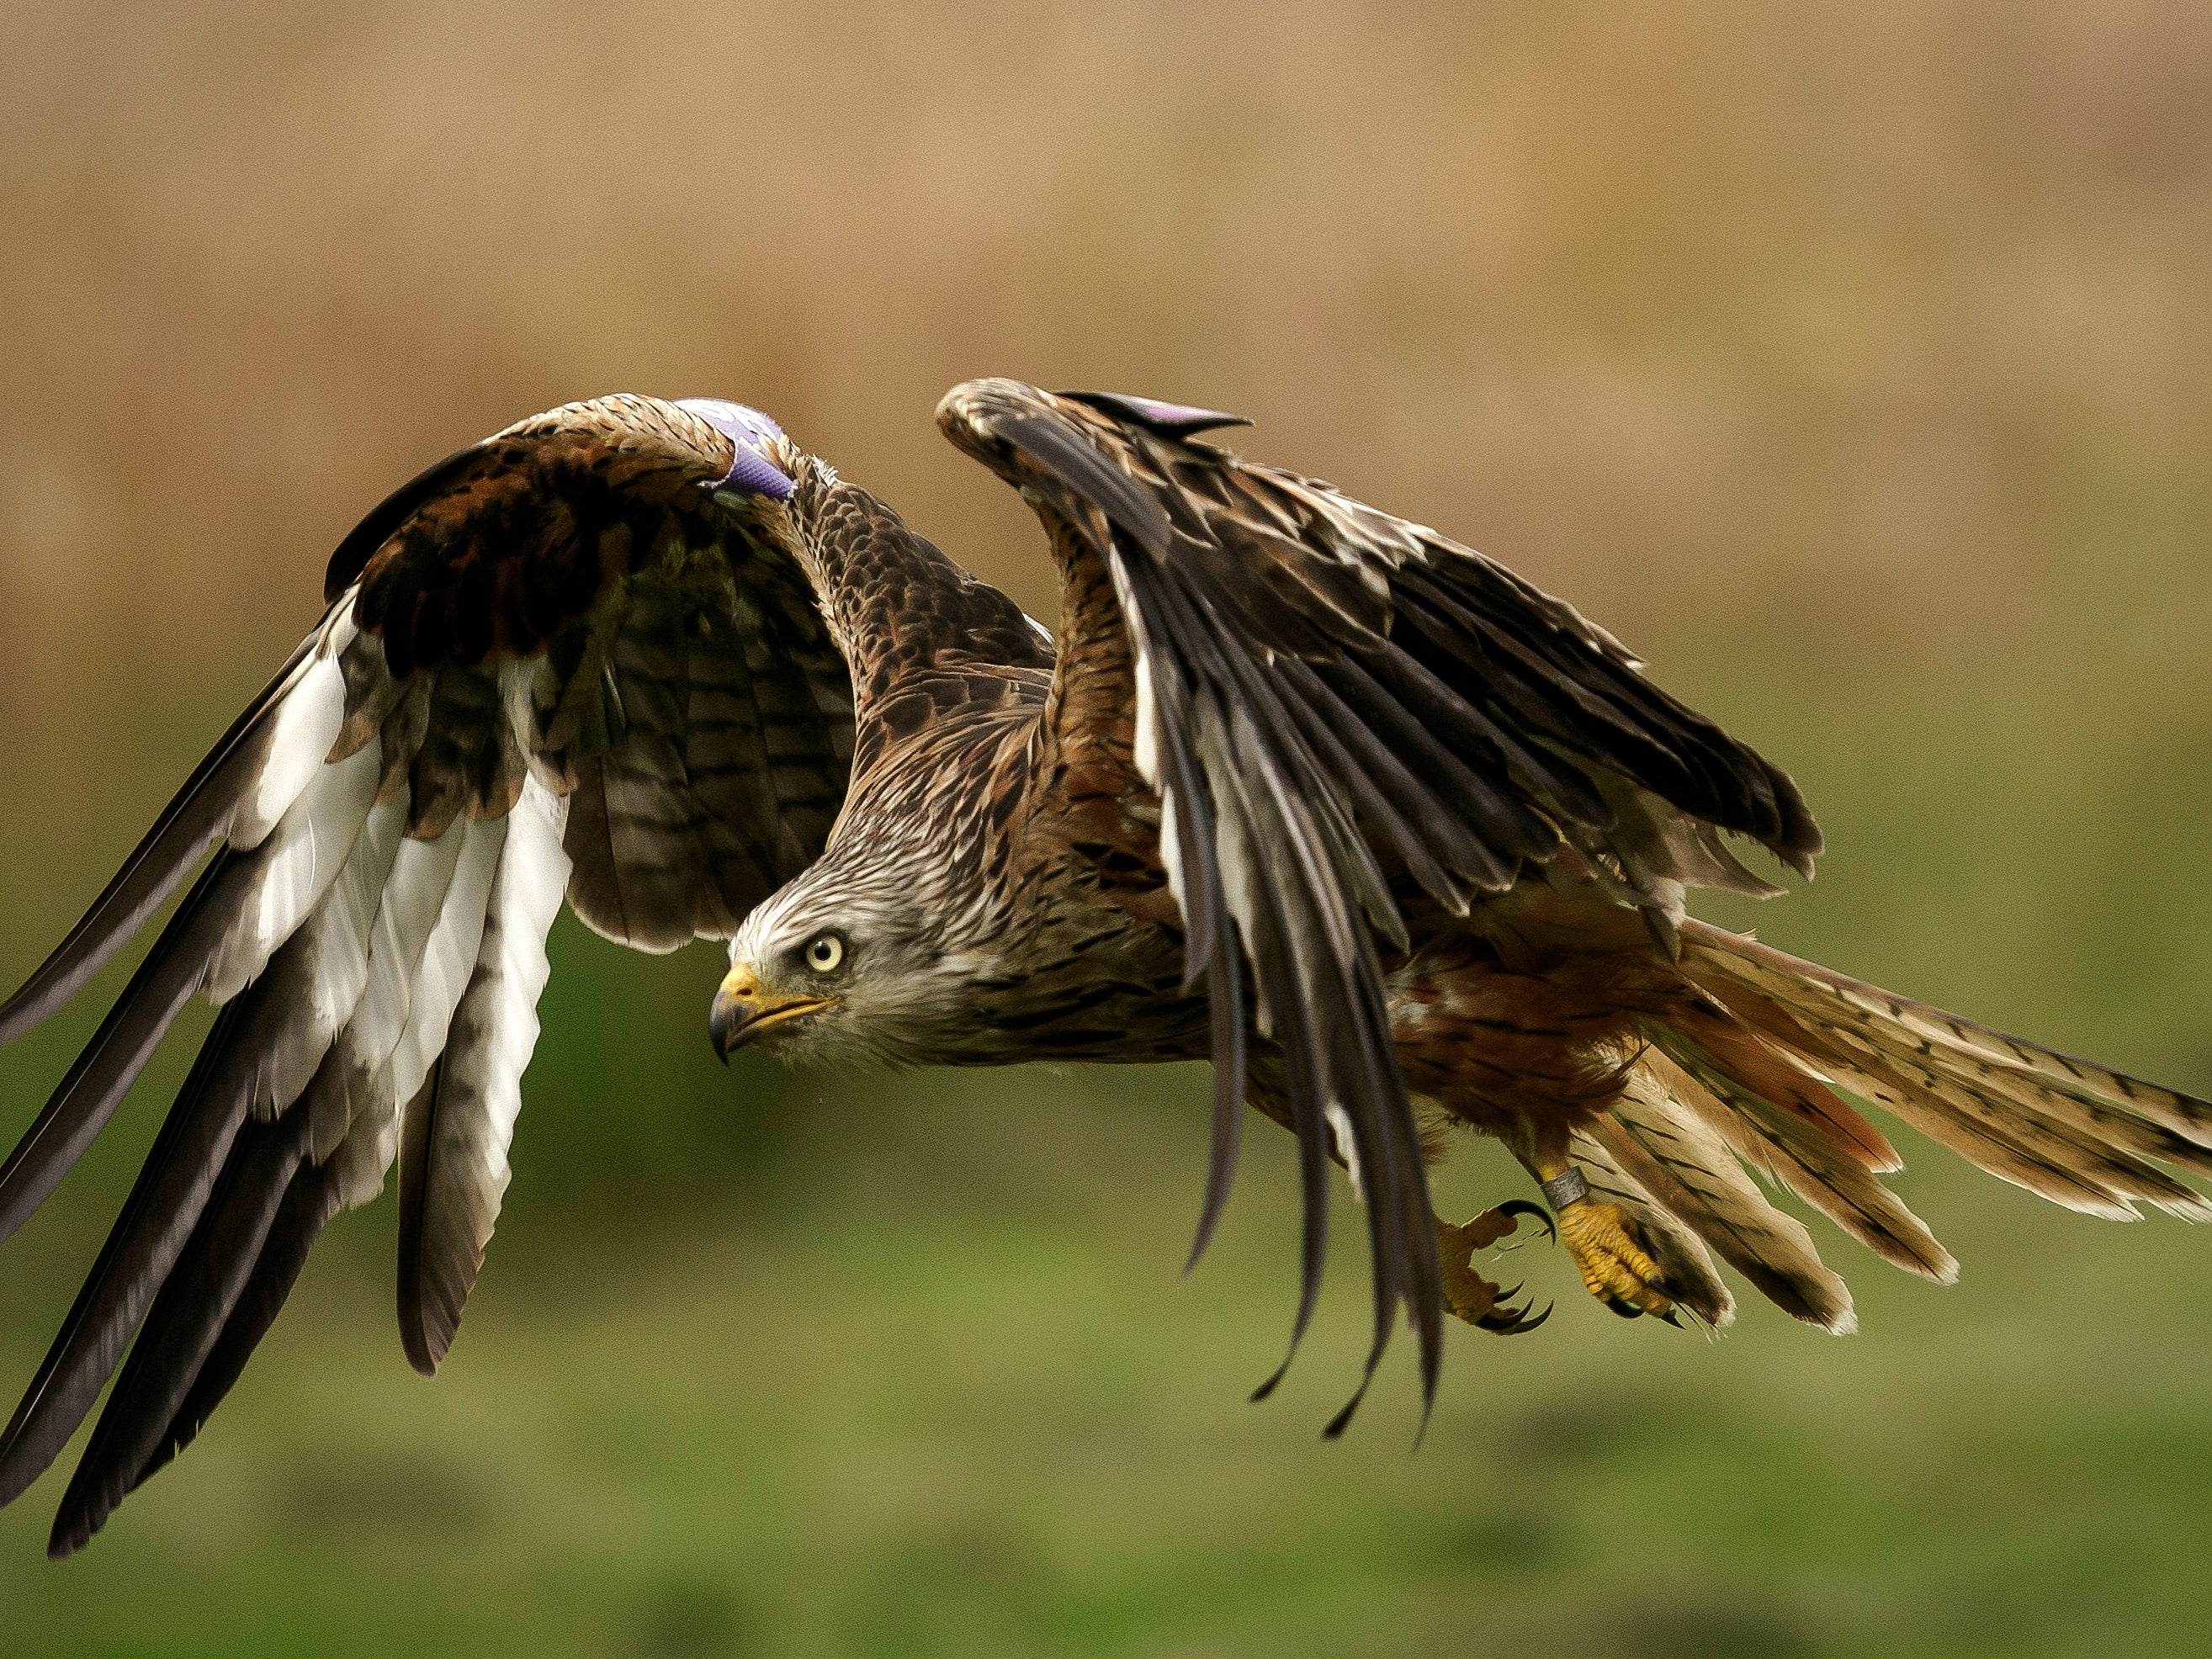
point(1331, 700)
point(911, 621)
point(560, 662)
point(685, 681)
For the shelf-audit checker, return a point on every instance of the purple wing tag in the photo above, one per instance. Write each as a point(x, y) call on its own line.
point(751, 473)
point(1177, 420)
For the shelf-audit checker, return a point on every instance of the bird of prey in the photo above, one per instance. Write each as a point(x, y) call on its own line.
point(1396, 840)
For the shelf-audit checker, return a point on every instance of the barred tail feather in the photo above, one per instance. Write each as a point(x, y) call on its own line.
point(1771, 1031)
point(2074, 1133)
point(1684, 1265)
point(1687, 1167)
point(1833, 1178)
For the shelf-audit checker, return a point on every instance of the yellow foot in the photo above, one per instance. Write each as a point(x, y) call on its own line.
point(1467, 1293)
point(1615, 1267)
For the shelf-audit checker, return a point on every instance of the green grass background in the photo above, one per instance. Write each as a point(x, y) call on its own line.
point(1852, 362)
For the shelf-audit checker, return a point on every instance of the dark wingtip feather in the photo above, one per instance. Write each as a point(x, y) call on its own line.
point(422, 1333)
point(308, 1206)
point(1225, 996)
point(191, 822)
point(165, 1202)
point(1170, 420)
point(1342, 1421)
point(104, 1071)
point(187, 1320)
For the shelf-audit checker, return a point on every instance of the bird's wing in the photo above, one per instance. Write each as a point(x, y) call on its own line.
point(584, 656)
point(1330, 701)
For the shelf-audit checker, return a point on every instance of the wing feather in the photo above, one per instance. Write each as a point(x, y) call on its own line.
point(569, 615)
point(1327, 699)
point(187, 1318)
point(191, 823)
point(309, 1203)
point(224, 932)
point(459, 1131)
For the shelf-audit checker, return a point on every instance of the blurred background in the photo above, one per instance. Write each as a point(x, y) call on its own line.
point(1854, 363)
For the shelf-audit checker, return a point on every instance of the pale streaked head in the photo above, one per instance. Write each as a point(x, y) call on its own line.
point(843, 963)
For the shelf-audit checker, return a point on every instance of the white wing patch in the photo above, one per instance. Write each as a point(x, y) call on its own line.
point(296, 863)
point(379, 987)
point(306, 726)
point(448, 959)
point(458, 1156)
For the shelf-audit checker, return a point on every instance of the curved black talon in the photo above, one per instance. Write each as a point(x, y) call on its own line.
point(1626, 1309)
point(1520, 1206)
point(1499, 1322)
point(1468, 1294)
point(1504, 1320)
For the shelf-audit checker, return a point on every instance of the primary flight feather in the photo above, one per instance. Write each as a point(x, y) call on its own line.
point(1397, 841)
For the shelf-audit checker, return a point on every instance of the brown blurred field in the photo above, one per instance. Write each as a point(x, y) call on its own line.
point(1855, 363)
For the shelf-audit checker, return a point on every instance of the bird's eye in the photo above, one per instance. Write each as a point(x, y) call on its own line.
point(825, 953)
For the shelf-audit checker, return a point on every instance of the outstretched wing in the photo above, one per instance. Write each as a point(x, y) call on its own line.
point(1333, 703)
point(583, 656)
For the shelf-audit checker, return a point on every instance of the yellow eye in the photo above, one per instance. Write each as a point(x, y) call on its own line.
point(823, 955)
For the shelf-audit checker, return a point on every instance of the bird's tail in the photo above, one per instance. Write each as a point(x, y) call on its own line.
point(1746, 1070)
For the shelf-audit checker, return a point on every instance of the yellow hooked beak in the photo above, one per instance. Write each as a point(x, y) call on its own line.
point(741, 1009)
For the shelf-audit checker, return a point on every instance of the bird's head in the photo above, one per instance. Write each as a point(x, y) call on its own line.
point(837, 967)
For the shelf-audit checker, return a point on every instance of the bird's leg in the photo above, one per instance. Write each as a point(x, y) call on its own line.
point(1467, 1293)
point(1603, 1238)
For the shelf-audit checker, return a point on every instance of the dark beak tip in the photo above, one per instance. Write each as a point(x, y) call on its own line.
point(721, 1027)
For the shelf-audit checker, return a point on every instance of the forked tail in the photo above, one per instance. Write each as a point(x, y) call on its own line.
point(1747, 1071)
